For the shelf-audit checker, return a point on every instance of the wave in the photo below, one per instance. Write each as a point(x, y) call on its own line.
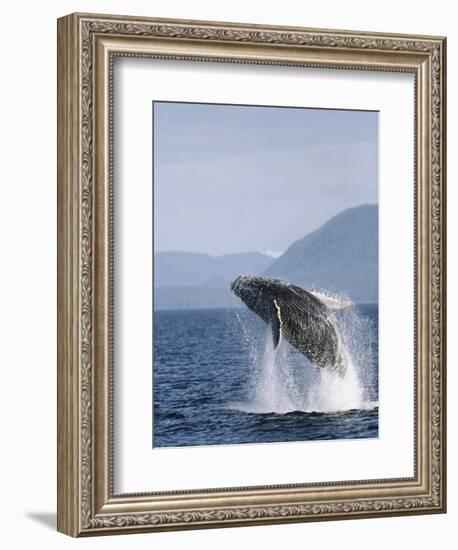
point(253, 408)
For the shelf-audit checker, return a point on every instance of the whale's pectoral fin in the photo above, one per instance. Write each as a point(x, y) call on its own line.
point(276, 325)
point(276, 331)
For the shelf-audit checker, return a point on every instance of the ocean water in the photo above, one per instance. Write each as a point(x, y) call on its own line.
point(218, 380)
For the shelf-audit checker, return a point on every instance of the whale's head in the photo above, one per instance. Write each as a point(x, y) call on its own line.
point(258, 293)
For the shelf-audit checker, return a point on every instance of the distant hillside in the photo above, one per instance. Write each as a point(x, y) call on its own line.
point(192, 280)
point(189, 269)
point(341, 256)
point(168, 297)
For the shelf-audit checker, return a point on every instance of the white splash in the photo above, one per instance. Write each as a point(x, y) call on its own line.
point(333, 392)
point(331, 301)
point(274, 390)
point(283, 380)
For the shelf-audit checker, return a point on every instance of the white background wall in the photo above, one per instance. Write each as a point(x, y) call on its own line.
point(28, 274)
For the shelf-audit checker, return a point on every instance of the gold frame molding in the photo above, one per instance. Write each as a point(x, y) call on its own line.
point(87, 45)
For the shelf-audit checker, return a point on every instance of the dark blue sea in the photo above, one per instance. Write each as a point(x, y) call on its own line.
point(218, 380)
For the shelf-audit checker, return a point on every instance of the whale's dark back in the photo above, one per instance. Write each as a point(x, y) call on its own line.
point(305, 321)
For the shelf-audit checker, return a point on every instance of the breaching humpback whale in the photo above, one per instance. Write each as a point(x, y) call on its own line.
point(297, 315)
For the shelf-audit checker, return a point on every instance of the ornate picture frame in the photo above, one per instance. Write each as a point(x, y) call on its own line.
point(87, 46)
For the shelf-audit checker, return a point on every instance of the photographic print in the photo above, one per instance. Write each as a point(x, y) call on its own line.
point(222, 255)
point(265, 321)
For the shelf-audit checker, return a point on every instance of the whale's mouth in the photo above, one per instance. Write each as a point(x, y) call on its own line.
point(235, 285)
point(242, 284)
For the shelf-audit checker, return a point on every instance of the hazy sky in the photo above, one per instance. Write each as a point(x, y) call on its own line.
point(241, 178)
